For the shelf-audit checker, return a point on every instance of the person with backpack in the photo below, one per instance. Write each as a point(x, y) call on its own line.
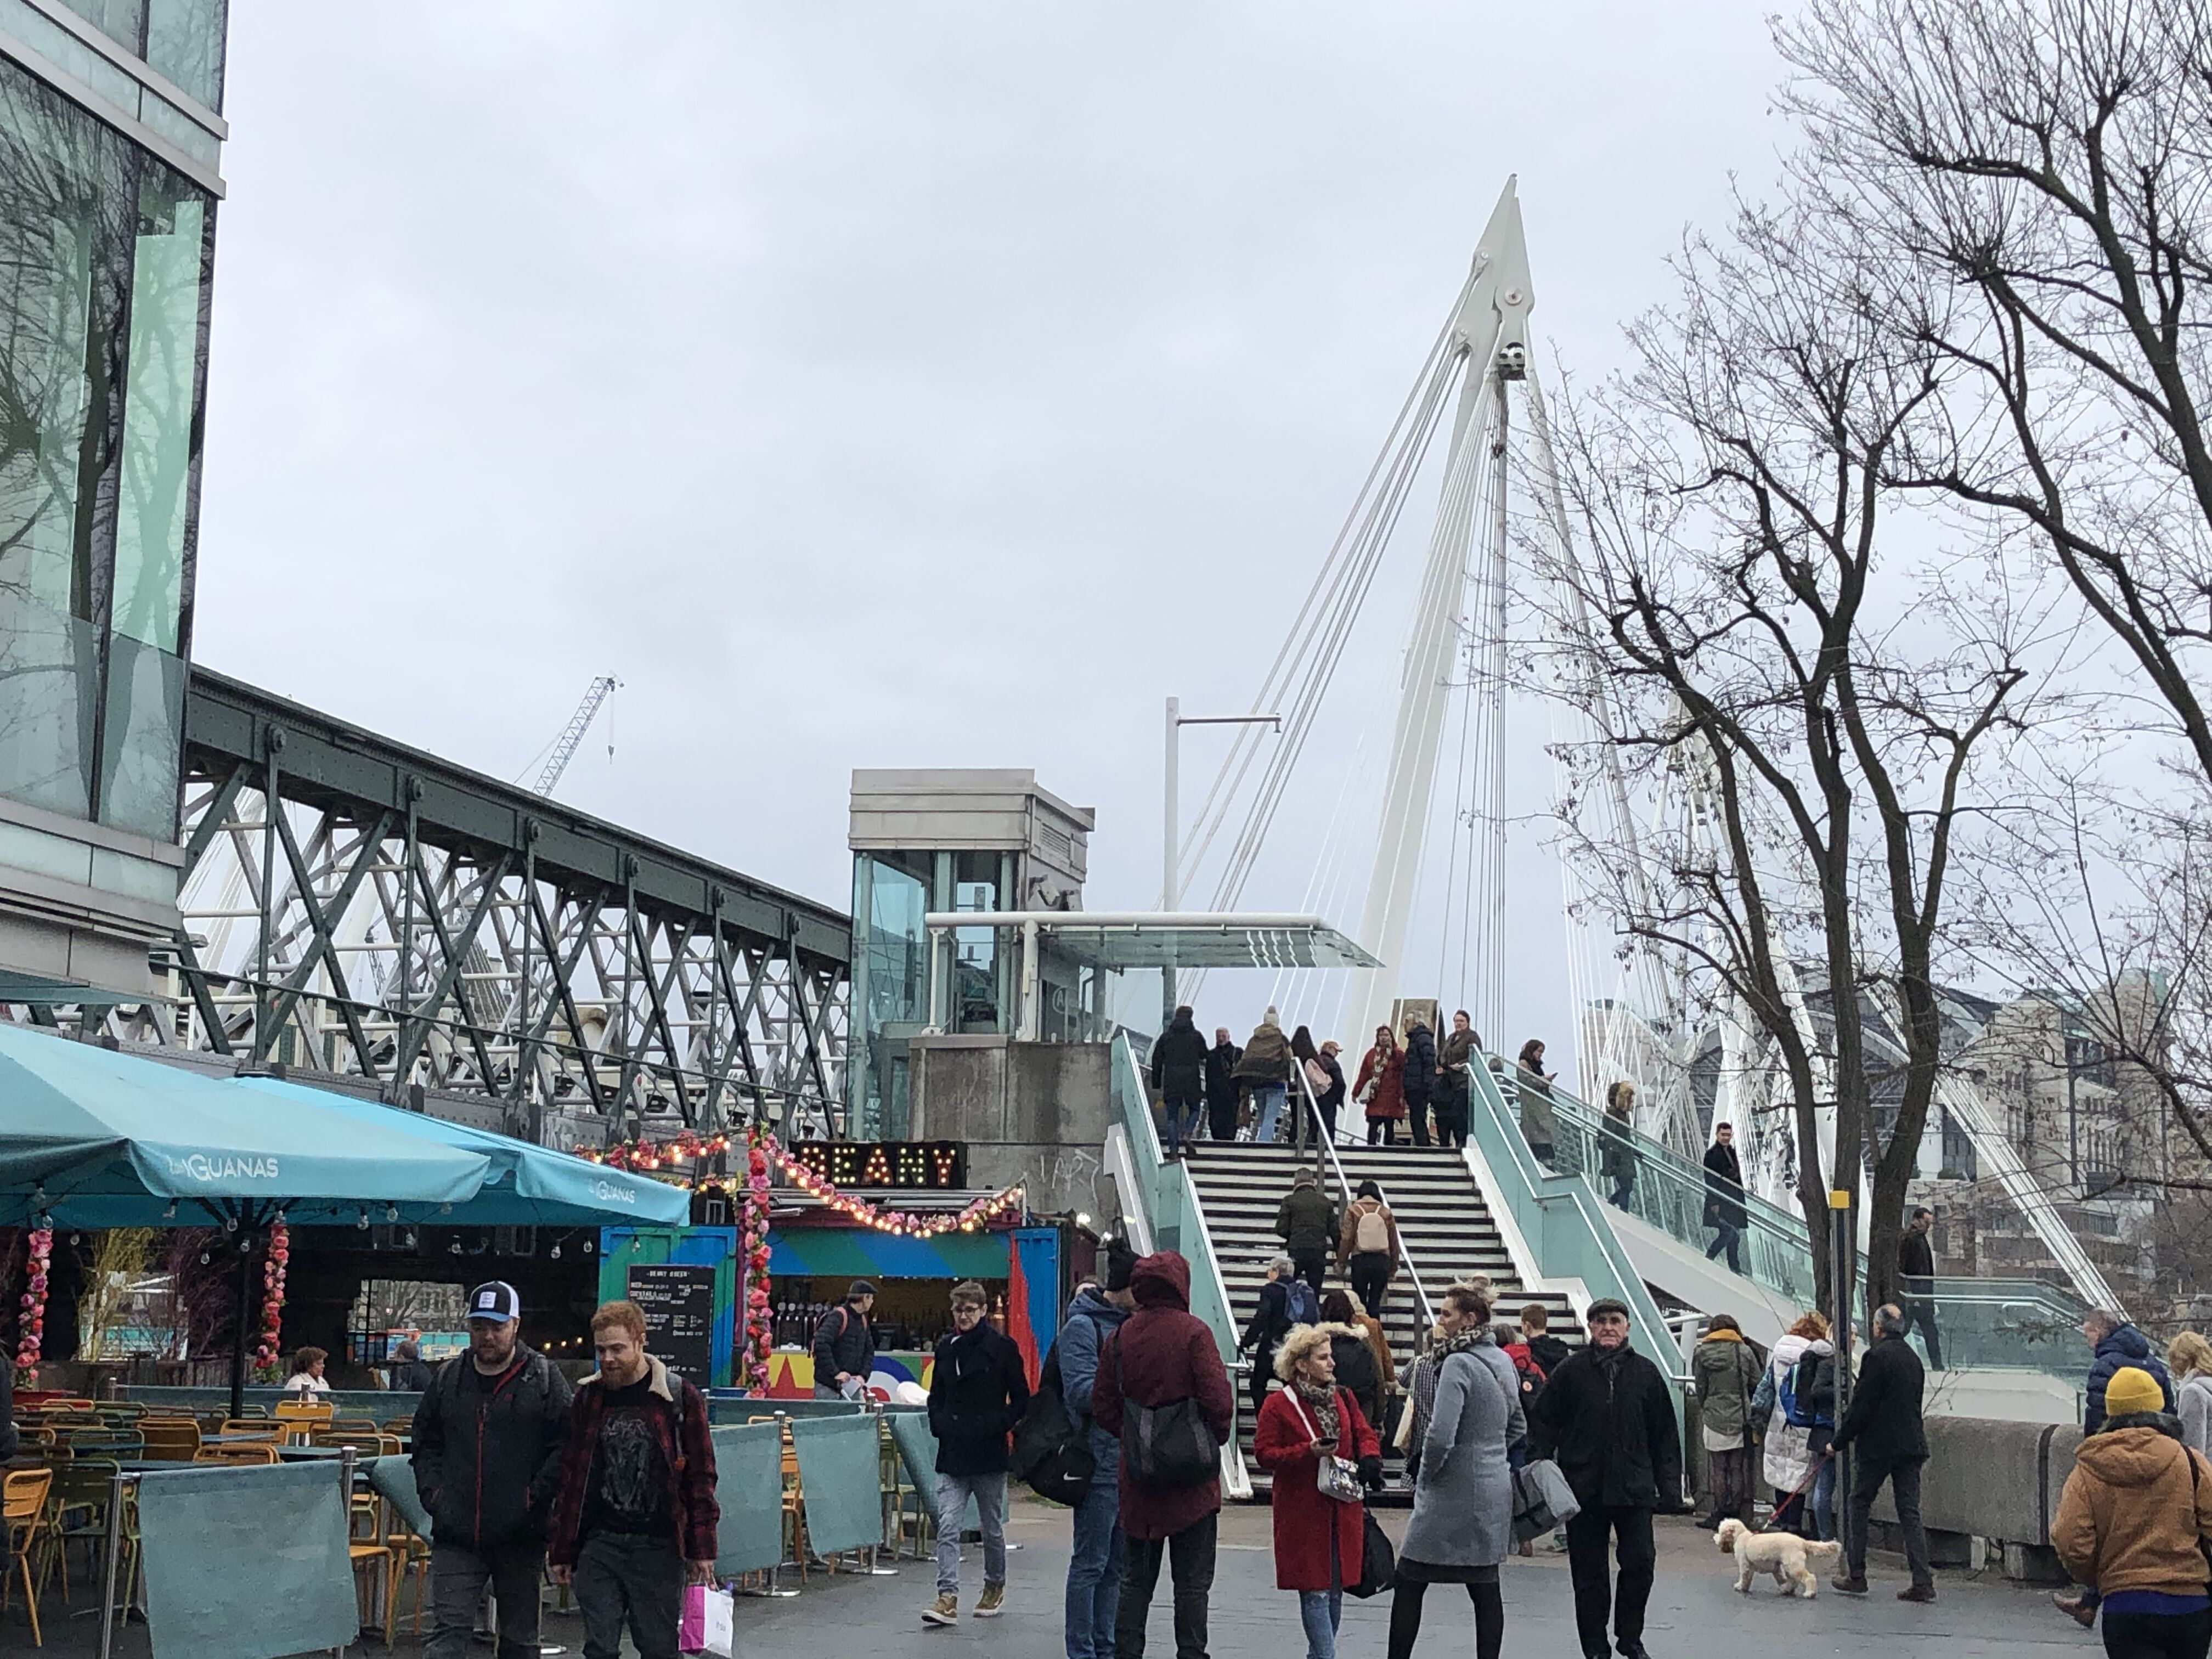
point(1099, 1550)
point(1284, 1300)
point(1352, 1351)
point(1725, 1373)
point(1367, 1246)
point(1319, 1534)
point(1784, 1403)
point(845, 1344)
point(1307, 1226)
point(1162, 1388)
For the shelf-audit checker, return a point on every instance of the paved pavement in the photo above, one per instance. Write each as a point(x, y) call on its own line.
point(1695, 1611)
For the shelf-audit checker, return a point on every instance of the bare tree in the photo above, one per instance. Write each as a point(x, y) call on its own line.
point(1760, 588)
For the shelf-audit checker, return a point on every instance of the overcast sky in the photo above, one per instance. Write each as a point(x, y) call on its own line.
point(892, 385)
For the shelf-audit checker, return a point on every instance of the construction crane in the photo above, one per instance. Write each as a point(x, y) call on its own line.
point(572, 735)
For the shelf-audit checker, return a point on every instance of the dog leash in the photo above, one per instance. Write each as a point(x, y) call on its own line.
point(1799, 1491)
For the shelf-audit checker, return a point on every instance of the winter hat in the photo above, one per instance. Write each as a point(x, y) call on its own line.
point(1120, 1263)
point(2133, 1390)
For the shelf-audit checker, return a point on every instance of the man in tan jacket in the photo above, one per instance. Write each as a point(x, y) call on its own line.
point(2132, 1519)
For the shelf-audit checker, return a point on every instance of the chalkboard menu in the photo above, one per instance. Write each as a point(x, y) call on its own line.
point(678, 1304)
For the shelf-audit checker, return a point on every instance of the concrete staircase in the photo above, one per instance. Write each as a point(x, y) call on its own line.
point(1446, 1225)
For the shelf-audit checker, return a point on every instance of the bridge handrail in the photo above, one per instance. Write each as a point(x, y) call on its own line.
point(1990, 1323)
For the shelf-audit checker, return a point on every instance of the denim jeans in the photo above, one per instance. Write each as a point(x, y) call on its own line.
point(1094, 1573)
point(1867, 1475)
point(1268, 1098)
point(953, 1492)
point(1181, 1121)
point(1321, 1612)
point(1824, 1503)
point(1730, 1239)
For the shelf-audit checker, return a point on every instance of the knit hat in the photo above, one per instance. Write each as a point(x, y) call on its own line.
point(2133, 1390)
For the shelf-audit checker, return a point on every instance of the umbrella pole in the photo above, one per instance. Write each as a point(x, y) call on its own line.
point(246, 1316)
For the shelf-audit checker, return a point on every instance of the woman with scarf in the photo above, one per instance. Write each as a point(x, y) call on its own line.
point(1461, 1528)
point(1318, 1538)
point(1380, 1090)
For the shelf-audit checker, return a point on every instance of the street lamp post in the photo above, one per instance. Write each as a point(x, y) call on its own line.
point(1170, 849)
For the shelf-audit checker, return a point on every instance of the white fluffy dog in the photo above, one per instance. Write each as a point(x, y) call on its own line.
point(1781, 1553)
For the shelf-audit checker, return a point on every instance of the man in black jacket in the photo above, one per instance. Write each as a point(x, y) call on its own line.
point(1883, 1424)
point(1724, 1207)
point(1179, 1078)
point(1419, 1079)
point(978, 1391)
point(1606, 1416)
point(845, 1344)
point(487, 1454)
point(1221, 1090)
point(1915, 1275)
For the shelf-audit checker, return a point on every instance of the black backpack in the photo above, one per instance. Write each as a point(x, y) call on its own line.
point(1169, 1446)
point(1050, 1452)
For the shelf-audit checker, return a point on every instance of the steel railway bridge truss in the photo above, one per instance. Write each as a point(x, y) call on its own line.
point(408, 921)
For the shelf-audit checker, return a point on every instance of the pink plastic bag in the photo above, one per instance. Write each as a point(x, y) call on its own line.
point(691, 1629)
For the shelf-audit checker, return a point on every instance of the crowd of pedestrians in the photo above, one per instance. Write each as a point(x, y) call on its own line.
point(1407, 1077)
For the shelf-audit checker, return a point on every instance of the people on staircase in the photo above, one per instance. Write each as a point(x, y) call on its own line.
point(1222, 1090)
point(1332, 1097)
point(1616, 1152)
point(1315, 1078)
point(1284, 1300)
point(1724, 1206)
point(1367, 1246)
point(1417, 1078)
point(1179, 1079)
point(1725, 1373)
point(1461, 1530)
point(1380, 1088)
point(1306, 1223)
point(1540, 1124)
point(1455, 1060)
point(1357, 1367)
point(1264, 1070)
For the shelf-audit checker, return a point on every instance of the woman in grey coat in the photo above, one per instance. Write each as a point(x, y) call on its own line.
point(1461, 1526)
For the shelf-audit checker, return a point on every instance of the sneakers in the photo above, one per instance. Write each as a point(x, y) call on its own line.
point(1917, 1593)
point(2080, 1608)
point(993, 1602)
point(945, 1610)
point(1850, 1586)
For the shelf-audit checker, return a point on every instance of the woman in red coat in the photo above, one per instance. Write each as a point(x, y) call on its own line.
point(1385, 1068)
point(1318, 1537)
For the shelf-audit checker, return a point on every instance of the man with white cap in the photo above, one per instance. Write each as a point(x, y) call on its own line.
point(486, 1455)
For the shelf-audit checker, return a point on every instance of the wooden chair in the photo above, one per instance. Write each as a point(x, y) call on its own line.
point(299, 1419)
point(22, 1518)
point(84, 1491)
point(170, 1439)
point(249, 1451)
point(402, 1426)
point(261, 1428)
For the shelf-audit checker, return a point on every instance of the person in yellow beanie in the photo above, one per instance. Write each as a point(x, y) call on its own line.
point(2132, 1522)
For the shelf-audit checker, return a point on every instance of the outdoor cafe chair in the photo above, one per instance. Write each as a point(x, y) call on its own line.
point(84, 1491)
point(170, 1439)
point(22, 1518)
point(249, 1451)
point(261, 1428)
point(351, 1425)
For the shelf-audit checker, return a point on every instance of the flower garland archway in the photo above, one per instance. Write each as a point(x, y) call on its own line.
point(759, 1313)
point(268, 1346)
point(31, 1312)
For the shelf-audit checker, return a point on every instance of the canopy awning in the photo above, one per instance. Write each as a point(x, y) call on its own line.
point(98, 1139)
point(1172, 939)
point(529, 1185)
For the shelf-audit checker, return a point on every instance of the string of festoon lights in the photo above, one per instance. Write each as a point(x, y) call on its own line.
point(648, 1156)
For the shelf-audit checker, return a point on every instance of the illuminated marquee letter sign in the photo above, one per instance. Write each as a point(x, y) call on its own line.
point(856, 1165)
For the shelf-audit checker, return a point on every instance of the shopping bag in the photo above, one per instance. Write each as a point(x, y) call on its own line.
point(1542, 1500)
point(708, 1622)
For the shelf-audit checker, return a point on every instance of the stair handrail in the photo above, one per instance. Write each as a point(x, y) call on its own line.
point(1327, 1142)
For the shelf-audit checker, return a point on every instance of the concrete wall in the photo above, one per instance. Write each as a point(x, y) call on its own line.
point(1990, 1486)
point(1031, 1112)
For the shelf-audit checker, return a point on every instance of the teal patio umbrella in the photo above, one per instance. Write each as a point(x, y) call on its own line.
point(92, 1138)
point(528, 1186)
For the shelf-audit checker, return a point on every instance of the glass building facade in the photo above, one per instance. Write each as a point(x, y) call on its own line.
point(110, 131)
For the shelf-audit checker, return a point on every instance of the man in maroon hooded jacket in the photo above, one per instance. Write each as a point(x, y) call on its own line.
point(1161, 1354)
